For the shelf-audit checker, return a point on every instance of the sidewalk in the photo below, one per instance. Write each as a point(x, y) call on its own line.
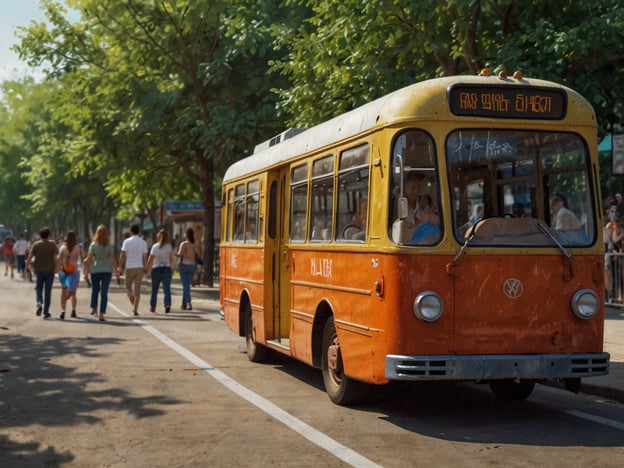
point(202, 291)
point(610, 386)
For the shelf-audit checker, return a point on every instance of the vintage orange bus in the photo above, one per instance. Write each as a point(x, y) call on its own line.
point(450, 230)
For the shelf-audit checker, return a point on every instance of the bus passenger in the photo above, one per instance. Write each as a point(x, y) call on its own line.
point(517, 210)
point(412, 193)
point(477, 213)
point(563, 218)
point(357, 230)
point(427, 229)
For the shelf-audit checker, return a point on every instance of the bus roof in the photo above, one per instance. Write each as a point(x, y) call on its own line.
point(420, 100)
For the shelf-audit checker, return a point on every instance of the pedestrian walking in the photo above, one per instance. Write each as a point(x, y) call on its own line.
point(160, 261)
point(45, 264)
point(100, 264)
point(188, 254)
point(134, 256)
point(21, 252)
point(69, 274)
point(9, 255)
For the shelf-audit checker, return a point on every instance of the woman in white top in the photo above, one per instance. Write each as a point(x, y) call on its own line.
point(161, 261)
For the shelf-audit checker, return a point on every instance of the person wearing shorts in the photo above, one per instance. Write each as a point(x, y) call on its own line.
point(134, 257)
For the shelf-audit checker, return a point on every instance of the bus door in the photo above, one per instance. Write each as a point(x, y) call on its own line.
point(278, 257)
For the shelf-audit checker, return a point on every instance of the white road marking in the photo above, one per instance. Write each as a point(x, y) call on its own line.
point(597, 419)
point(316, 437)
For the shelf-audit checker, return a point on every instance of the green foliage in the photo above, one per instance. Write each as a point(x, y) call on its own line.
point(350, 52)
point(153, 100)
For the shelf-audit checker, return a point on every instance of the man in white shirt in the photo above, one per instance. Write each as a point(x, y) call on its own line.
point(134, 254)
point(563, 218)
point(21, 251)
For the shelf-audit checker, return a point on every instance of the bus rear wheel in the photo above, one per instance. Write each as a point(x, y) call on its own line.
point(255, 351)
point(341, 389)
point(511, 390)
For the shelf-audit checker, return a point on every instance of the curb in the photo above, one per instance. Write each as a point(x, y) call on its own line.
point(609, 393)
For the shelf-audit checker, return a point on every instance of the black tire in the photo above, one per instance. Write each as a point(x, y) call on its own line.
point(511, 390)
point(341, 389)
point(255, 351)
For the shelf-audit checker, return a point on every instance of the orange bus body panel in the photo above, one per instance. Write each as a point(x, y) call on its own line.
point(539, 320)
point(243, 272)
point(480, 320)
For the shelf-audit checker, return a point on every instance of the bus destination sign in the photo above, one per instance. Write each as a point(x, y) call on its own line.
point(511, 102)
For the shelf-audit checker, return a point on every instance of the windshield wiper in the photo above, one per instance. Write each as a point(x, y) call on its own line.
point(548, 233)
point(543, 229)
point(471, 236)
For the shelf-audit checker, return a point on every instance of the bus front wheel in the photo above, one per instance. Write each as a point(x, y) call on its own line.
point(512, 390)
point(255, 351)
point(341, 389)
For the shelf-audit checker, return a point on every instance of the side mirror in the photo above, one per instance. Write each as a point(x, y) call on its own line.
point(400, 231)
point(402, 210)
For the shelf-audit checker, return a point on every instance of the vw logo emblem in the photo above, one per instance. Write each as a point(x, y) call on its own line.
point(513, 288)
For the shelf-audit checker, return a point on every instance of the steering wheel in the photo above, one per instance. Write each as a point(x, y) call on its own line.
point(349, 231)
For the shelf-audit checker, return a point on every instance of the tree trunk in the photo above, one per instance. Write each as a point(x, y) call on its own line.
point(207, 172)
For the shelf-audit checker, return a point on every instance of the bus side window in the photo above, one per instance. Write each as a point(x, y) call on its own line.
point(414, 203)
point(252, 206)
point(321, 211)
point(353, 178)
point(230, 215)
point(298, 202)
point(239, 214)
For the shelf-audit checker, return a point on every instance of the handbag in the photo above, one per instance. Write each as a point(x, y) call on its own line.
point(198, 260)
point(69, 268)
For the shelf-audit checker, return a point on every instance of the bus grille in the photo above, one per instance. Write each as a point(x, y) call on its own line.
point(422, 368)
point(486, 367)
point(590, 366)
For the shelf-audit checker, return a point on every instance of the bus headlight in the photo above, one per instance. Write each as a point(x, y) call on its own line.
point(428, 306)
point(585, 304)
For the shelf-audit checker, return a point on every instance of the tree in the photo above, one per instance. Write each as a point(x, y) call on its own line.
point(349, 53)
point(177, 86)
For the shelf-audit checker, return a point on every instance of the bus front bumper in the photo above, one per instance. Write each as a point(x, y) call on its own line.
point(493, 367)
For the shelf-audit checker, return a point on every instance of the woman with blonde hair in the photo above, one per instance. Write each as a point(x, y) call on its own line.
point(101, 264)
point(160, 261)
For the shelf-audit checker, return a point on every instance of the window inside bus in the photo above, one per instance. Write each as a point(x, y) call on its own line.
point(298, 202)
point(230, 215)
point(352, 216)
point(246, 199)
point(322, 202)
point(415, 217)
point(251, 218)
point(239, 214)
point(520, 187)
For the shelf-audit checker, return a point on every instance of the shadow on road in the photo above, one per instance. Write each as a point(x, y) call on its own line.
point(34, 390)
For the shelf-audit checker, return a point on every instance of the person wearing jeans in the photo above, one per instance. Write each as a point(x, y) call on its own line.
point(44, 252)
point(100, 264)
point(160, 261)
point(187, 253)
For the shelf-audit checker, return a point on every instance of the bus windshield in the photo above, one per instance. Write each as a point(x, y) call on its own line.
point(511, 185)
